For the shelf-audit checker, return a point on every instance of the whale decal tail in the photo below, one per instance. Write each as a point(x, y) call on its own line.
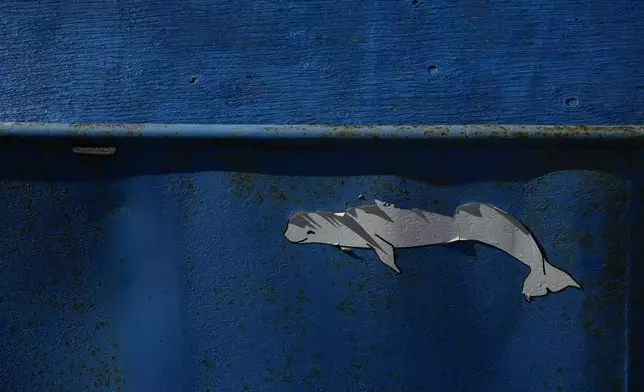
point(492, 226)
point(548, 279)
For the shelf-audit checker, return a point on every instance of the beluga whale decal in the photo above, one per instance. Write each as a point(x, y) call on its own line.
point(382, 227)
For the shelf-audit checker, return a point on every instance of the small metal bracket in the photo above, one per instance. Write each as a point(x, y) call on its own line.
point(94, 150)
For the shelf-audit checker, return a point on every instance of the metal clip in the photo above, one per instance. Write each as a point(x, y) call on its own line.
point(94, 150)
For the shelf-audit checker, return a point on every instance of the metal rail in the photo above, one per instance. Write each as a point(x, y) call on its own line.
point(251, 131)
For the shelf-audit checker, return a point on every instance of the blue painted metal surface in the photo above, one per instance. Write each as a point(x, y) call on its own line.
point(169, 257)
point(164, 267)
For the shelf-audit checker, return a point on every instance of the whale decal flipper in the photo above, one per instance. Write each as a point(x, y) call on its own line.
point(385, 252)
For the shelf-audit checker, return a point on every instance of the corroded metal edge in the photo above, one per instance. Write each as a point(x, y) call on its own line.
point(263, 131)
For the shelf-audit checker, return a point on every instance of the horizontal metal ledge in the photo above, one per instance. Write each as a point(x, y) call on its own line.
point(263, 131)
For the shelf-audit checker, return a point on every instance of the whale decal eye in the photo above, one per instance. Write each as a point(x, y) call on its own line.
point(310, 232)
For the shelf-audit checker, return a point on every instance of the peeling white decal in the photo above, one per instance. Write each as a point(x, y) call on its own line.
point(383, 227)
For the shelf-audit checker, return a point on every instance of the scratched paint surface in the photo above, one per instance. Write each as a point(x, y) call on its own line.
point(171, 258)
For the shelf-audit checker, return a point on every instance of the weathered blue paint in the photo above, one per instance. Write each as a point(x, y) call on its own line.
point(164, 268)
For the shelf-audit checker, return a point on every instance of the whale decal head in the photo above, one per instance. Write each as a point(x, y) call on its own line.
point(300, 229)
point(313, 228)
point(344, 230)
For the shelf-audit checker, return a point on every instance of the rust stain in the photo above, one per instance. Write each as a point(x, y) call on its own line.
point(85, 129)
point(243, 184)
